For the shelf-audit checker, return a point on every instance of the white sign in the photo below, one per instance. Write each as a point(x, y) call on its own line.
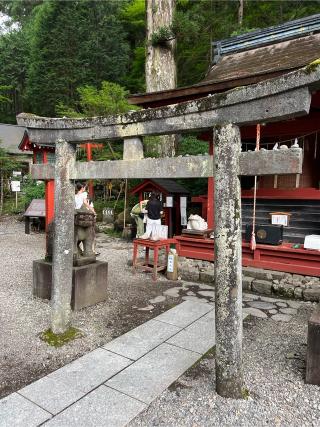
point(16, 173)
point(170, 265)
point(15, 186)
point(169, 202)
point(279, 220)
point(183, 210)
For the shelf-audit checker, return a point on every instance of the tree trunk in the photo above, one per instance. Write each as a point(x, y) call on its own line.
point(240, 12)
point(160, 68)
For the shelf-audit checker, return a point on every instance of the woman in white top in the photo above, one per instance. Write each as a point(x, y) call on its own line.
point(81, 198)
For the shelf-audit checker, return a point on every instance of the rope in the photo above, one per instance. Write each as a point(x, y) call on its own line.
point(253, 244)
point(315, 132)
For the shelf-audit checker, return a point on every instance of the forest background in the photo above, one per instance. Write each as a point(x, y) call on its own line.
point(62, 57)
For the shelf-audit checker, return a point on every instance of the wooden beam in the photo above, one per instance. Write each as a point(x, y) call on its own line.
point(270, 162)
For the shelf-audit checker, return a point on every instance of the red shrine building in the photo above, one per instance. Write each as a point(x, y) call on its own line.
point(246, 60)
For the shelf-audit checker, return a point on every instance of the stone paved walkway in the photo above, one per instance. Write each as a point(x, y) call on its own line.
point(114, 383)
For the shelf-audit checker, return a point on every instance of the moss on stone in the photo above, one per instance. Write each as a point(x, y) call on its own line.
point(58, 340)
point(245, 393)
point(312, 66)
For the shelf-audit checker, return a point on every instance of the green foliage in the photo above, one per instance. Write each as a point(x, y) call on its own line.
point(19, 10)
point(3, 97)
point(58, 340)
point(112, 232)
point(7, 163)
point(162, 36)
point(32, 190)
point(190, 144)
point(110, 99)
point(151, 146)
point(132, 18)
point(73, 44)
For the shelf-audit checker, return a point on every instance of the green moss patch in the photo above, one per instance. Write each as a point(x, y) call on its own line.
point(245, 393)
point(58, 340)
point(312, 66)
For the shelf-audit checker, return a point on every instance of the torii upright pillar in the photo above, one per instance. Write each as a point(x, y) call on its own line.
point(63, 241)
point(228, 270)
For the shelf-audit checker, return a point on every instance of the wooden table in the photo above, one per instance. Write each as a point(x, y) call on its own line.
point(155, 246)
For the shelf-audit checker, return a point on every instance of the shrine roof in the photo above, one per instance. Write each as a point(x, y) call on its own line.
point(248, 59)
point(170, 186)
point(11, 137)
point(280, 57)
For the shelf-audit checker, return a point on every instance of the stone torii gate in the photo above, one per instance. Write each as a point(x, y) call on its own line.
point(276, 99)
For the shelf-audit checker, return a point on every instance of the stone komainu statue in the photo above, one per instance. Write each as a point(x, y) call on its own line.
point(84, 233)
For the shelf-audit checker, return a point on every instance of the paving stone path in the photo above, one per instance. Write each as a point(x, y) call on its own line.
point(114, 383)
point(277, 309)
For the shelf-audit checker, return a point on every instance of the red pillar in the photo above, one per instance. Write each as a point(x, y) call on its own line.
point(210, 205)
point(89, 159)
point(49, 196)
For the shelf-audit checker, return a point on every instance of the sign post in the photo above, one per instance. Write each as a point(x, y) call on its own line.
point(15, 187)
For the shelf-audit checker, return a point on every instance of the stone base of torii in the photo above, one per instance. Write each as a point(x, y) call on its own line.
point(272, 100)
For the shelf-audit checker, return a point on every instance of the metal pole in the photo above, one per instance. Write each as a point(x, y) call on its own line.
point(228, 270)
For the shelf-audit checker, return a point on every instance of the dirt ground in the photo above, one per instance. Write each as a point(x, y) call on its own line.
point(24, 357)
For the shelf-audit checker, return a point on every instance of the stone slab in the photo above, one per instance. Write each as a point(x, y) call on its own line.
point(148, 377)
point(262, 286)
point(52, 395)
point(172, 292)
point(102, 407)
point(91, 370)
point(281, 317)
point(255, 312)
point(195, 299)
point(199, 336)
point(207, 293)
point(185, 313)
point(294, 304)
point(142, 339)
point(17, 411)
point(158, 299)
point(288, 310)
point(89, 283)
point(262, 305)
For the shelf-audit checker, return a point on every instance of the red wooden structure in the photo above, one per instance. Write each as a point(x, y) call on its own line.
point(165, 188)
point(235, 64)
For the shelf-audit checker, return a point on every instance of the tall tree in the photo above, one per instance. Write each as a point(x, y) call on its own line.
point(13, 64)
point(73, 43)
point(160, 57)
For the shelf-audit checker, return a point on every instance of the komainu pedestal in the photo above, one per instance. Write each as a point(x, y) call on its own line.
point(313, 351)
point(89, 283)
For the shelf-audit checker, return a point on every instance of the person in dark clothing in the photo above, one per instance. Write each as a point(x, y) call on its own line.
point(154, 211)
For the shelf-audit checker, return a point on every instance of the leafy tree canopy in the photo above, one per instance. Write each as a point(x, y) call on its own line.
point(73, 43)
point(110, 99)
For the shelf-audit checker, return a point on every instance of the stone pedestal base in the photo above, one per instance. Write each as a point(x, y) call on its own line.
point(89, 283)
point(313, 352)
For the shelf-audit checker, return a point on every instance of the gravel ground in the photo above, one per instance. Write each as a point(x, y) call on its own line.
point(23, 356)
point(274, 368)
point(274, 352)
